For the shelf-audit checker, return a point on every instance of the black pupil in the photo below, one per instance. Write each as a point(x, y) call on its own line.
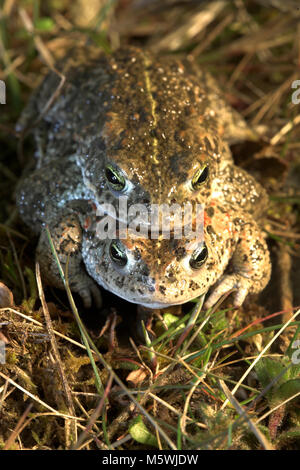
point(198, 258)
point(203, 176)
point(117, 255)
point(111, 176)
point(202, 255)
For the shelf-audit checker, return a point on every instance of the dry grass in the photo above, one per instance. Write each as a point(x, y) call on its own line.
point(222, 379)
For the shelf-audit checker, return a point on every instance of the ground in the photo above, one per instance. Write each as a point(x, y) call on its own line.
point(224, 379)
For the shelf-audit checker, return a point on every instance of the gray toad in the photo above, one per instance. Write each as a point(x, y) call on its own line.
point(155, 130)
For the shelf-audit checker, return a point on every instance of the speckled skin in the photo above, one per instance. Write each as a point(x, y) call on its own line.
point(158, 120)
point(158, 273)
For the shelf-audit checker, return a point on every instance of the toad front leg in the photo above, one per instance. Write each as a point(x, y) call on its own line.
point(66, 234)
point(250, 266)
point(53, 196)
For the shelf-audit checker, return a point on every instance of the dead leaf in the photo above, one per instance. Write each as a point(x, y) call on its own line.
point(137, 376)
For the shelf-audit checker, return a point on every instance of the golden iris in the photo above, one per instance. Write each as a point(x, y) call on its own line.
point(115, 178)
point(117, 253)
point(200, 177)
point(199, 257)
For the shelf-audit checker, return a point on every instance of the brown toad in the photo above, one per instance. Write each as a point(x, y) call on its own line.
point(155, 130)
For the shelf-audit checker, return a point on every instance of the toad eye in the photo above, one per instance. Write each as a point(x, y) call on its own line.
point(199, 257)
point(115, 178)
point(117, 253)
point(200, 177)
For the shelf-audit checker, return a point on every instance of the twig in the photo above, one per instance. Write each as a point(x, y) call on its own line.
point(95, 415)
point(34, 397)
point(260, 355)
point(65, 385)
point(262, 439)
point(285, 129)
point(17, 429)
point(276, 407)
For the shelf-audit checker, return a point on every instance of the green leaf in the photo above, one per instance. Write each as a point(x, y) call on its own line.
point(140, 433)
point(44, 24)
point(288, 389)
point(267, 369)
point(294, 371)
point(170, 320)
point(218, 322)
point(36, 437)
point(100, 39)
